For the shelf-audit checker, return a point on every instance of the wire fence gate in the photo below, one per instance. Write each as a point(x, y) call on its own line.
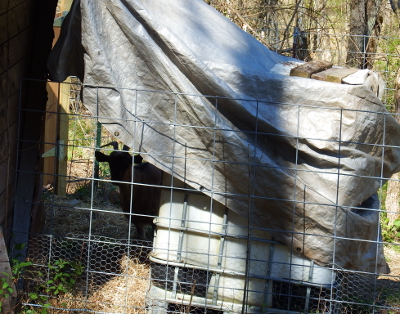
point(204, 258)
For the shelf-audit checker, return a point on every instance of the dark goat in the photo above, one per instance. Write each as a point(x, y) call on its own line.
point(146, 199)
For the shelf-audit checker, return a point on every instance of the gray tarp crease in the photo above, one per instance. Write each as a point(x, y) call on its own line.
point(319, 144)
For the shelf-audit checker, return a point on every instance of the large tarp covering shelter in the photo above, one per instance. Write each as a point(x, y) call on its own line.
point(306, 151)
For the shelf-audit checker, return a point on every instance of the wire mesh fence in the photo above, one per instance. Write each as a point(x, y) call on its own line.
point(379, 53)
point(204, 258)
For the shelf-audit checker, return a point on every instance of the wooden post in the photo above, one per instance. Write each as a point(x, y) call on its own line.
point(50, 133)
point(65, 5)
point(33, 104)
point(56, 129)
point(56, 133)
point(8, 303)
point(65, 87)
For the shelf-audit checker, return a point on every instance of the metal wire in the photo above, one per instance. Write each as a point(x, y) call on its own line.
point(85, 227)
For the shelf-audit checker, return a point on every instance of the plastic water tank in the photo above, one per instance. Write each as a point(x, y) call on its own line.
point(205, 255)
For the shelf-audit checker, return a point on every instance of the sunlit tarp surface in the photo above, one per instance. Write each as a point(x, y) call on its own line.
point(297, 154)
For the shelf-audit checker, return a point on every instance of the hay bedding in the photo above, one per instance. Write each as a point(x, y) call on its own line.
point(118, 269)
point(121, 294)
point(86, 209)
point(66, 215)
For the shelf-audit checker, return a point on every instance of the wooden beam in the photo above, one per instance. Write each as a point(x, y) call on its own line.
point(334, 75)
point(56, 129)
point(50, 164)
point(63, 136)
point(57, 31)
point(309, 68)
point(33, 104)
point(10, 302)
point(50, 132)
point(65, 5)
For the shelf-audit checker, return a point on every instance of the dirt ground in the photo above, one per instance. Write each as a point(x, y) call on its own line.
point(393, 259)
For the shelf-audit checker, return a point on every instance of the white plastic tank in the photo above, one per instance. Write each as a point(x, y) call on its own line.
point(204, 255)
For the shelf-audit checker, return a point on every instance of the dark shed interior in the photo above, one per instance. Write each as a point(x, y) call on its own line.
point(26, 34)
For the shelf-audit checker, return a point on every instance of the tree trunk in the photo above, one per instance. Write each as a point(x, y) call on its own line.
point(364, 21)
point(392, 199)
point(270, 32)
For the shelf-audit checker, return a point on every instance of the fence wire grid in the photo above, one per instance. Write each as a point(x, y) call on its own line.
point(88, 257)
point(380, 53)
point(188, 268)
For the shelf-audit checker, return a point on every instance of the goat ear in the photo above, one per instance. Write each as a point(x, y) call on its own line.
point(113, 144)
point(137, 159)
point(100, 157)
point(127, 148)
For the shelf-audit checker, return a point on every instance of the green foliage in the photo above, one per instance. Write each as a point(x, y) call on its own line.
point(7, 281)
point(82, 131)
point(63, 276)
point(18, 267)
point(61, 279)
point(84, 191)
point(104, 170)
point(388, 64)
point(392, 296)
point(382, 193)
point(391, 233)
point(5, 288)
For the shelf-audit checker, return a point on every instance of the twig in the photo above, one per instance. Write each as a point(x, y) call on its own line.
point(191, 297)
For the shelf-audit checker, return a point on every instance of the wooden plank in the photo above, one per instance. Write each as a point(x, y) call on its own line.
point(3, 28)
point(33, 95)
point(334, 75)
point(8, 110)
point(20, 69)
point(7, 202)
point(50, 132)
point(57, 31)
point(309, 68)
point(3, 118)
point(10, 302)
point(3, 86)
point(63, 127)
point(3, 7)
point(3, 212)
point(50, 164)
point(27, 177)
point(14, 3)
point(3, 169)
point(4, 57)
point(7, 137)
point(8, 158)
point(20, 17)
point(19, 45)
point(13, 102)
point(65, 5)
